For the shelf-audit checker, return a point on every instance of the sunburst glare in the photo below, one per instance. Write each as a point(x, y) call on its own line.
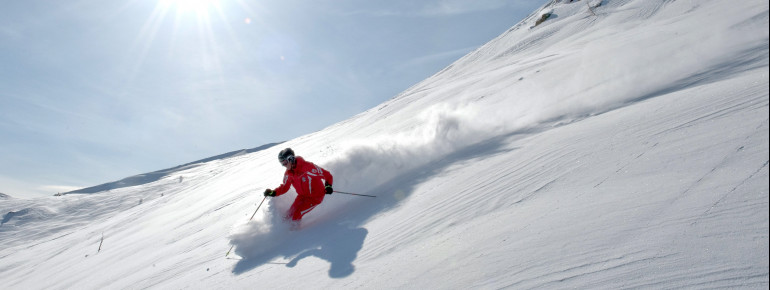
point(196, 26)
point(196, 6)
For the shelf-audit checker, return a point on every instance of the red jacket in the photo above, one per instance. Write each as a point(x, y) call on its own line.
point(306, 178)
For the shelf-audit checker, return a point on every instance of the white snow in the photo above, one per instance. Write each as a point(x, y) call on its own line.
point(623, 150)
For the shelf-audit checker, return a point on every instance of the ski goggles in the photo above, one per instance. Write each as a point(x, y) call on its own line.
point(285, 162)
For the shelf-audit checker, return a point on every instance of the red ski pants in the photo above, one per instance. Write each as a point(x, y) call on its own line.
point(300, 207)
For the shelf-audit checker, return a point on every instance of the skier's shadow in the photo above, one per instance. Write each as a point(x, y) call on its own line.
point(339, 246)
point(340, 250)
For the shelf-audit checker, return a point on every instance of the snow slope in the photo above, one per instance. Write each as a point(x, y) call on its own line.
point(625, 149)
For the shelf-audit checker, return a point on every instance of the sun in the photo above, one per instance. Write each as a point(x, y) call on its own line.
point(195, 6)
point(196, 29)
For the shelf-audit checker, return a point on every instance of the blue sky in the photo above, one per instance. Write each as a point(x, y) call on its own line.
point(94, 91)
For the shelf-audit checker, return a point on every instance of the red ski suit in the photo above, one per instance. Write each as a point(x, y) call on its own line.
point(306, 178)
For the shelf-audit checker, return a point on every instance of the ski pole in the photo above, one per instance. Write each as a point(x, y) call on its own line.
point(354, 194)
point(252, 216)
point(255, 212)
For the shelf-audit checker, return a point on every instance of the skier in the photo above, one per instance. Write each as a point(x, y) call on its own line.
point(306, 178)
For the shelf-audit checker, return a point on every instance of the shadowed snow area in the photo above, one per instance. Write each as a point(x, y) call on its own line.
point(623, 147)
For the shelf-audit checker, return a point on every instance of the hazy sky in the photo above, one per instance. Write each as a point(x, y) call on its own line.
point(94, 91)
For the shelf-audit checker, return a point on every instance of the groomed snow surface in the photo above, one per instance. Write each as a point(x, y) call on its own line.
point(624, 148)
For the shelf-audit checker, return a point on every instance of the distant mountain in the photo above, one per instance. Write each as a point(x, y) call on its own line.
point(157, 175)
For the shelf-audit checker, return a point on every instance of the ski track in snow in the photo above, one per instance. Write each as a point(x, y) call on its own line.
point(623, 150)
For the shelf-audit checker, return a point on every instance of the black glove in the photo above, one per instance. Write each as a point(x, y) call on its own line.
point(269, 192)
point(329, 188)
